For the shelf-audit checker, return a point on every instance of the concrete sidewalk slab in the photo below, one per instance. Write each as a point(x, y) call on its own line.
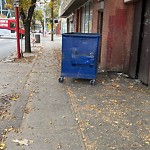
point(48, 120)
point(112, 115)
point(14, 75)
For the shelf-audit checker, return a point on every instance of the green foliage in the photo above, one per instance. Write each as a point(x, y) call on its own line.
point(25, 4)
point(28, 17)
point(38, 15)
point(9, 4)
point(26, 10)
point(55, 4)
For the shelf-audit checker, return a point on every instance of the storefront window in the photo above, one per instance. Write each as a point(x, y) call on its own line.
point(86, 22)
point(12, 25)
point(71, 24)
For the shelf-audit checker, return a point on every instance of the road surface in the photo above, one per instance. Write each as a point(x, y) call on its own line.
point(7, 46)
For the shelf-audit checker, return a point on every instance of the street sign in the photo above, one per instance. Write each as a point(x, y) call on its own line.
point(16, 3)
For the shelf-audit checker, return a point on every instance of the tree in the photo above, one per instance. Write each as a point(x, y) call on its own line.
point(38, 15)
point(26, 13)
point(46, 7)
point(54, 5)
point(26, 9)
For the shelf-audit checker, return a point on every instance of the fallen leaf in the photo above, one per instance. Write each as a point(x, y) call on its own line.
point(2, 146)
point(116, 122)
point(147, 142)
point(88, 122)
point(59, 146)
point(14, 98)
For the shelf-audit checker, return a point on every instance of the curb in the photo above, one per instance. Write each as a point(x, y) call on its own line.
point(18, 110)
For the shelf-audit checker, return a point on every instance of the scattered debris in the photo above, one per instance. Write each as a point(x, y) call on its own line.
point(138, 81)
point(33, 40)
point(22, 142)
point(122, 75)
point(5, 104)
point(8, 60)
point(100, 70)
point(27, 59)
point(59, 146)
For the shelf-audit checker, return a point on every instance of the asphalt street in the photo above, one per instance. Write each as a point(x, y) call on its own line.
point(7, 46)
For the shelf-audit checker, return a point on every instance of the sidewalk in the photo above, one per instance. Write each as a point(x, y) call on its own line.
point(112, 115)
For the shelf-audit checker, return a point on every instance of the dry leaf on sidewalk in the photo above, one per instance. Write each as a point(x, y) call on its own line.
point(59, 146)
point(2, 146)
point(13, 98)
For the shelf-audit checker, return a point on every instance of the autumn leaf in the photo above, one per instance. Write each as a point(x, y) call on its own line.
point(2, 146)
point(14, 98)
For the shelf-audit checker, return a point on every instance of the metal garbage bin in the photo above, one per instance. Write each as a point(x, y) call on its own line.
point(37, 38)
point(80, 56)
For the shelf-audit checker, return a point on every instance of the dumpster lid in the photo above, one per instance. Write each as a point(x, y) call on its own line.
point(81, 34)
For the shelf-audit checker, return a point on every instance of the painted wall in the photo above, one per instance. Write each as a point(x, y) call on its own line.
point(117, 35)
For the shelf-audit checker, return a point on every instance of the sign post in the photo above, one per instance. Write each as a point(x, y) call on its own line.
point(52, 22)
point(16, 5)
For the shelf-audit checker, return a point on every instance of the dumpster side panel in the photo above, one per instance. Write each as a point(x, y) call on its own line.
point(80, 56)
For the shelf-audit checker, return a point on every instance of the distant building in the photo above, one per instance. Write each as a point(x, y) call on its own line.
point(4, 11)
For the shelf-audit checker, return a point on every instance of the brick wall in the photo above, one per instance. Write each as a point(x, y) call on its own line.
point(117, 34)
point(77, 20)
point(96, 7)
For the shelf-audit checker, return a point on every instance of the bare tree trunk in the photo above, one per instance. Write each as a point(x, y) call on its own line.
point(52, 23)
point(27, 38)
point(26, 18)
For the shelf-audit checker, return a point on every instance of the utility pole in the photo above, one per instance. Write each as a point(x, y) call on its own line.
point(16, 5)
point(52, 20)
point(44, 21)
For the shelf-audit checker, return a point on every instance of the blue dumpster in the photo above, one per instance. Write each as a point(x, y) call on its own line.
point(80, 56)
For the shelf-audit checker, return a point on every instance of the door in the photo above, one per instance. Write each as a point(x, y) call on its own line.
point(143, 73)
point(99, 30)
point(100, 22)
point(135, 50)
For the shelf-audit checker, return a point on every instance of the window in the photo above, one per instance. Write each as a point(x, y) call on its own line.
point(86, 19)
point(70, 23)
point(12, 25)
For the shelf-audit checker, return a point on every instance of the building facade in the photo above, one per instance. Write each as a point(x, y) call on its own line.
point(4, 11)
point(115, 20)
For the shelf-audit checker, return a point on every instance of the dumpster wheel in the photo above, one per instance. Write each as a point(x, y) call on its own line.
point(92, 82)
point(61, 79)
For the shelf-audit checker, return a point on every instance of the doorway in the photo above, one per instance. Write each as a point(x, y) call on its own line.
point(140, 49)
